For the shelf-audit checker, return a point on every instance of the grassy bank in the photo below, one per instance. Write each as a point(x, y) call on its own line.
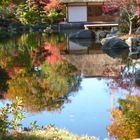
point(50, 133)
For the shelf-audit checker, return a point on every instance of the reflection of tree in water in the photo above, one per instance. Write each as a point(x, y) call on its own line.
point(40, 82)
point(49, 90)
point(16, 52)
point(126, 77)
point(20, 51)
point(121, 79)
point(50, 51)
point(126, 120)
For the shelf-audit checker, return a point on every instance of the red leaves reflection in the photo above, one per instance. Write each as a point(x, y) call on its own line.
point(55, 56)
point(13, 71)
point(120, 79)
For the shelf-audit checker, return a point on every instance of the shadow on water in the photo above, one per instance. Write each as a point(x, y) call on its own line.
point(117, 53)
point(3, 82)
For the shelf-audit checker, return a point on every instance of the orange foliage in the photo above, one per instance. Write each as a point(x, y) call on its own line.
point(55, 56)
point(13, 71)
point(121, 131)
point(51, 4)
point(126, 120)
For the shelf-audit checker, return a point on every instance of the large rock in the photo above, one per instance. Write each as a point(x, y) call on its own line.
point(117, 53)
point(116, 48)
point(137, 77)
point(135, 42)
point(109, 35)
point(138, 30)
point(102, 34)
point(114, 43)
point(134, 55)
point(83, 34)
point(135, 47)
point(104, 40)
point(114, 30)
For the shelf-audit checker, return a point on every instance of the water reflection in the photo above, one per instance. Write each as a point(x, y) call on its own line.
point(81, 42)
point(37, 72)
point(45, 70)
point(81, 46)
point(118, 53)
point(125, 111)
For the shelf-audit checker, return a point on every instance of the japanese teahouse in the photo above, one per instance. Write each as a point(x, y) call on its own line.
point(87, 11)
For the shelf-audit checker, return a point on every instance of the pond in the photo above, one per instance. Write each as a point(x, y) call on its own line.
point(70, 84)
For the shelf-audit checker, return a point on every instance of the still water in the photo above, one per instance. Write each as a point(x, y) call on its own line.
point(70, 84)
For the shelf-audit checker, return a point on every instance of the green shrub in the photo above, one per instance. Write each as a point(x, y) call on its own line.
point(15, 111)
point(27, 15)
point(55, 15)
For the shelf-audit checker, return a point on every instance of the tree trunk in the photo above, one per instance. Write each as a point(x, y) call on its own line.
point(130, 32)
point(130, 27)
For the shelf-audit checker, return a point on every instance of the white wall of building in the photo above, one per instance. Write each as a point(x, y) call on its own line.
point(77, 14)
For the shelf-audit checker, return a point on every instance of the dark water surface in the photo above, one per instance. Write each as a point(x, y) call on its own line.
point(71, 84)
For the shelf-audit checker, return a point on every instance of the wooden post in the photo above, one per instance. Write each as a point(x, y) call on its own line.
point(67, 13)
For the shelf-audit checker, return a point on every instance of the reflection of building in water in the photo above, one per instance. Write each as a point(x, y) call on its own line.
point(81, 46)
point(112, 97)
point(95, 65)
point(90, 60)
point(112, 100)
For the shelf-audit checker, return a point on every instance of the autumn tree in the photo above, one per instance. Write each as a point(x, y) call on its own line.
point(54, 10)
point(8, 8)
point(129, 10)
point(50, 4)
point(126, 120)
point(36, 6)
